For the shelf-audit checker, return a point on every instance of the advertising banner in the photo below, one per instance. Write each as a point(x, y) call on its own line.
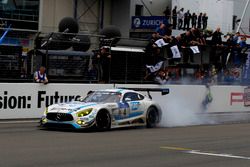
point(29, 100)
point(147, 22)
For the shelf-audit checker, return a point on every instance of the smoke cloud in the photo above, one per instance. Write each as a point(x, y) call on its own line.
point(178, 112)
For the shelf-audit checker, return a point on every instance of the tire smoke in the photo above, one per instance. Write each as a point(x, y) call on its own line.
point(178, 112)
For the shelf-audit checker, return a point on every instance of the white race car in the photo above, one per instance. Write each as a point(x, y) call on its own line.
point(105, 109)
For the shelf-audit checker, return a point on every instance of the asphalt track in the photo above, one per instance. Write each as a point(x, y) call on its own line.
point(25, 145)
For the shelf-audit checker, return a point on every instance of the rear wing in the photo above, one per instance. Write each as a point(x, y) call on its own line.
point(164, 91)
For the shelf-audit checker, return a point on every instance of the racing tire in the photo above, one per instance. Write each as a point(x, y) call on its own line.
point(103, 121)
point(152, 117)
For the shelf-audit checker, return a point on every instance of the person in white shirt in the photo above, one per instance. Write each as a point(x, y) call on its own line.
point(40, 76)
point(180, 18)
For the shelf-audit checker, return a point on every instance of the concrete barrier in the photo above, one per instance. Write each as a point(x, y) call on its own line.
point(28, 100)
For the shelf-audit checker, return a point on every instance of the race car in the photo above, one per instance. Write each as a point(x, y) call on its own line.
point(106, 109)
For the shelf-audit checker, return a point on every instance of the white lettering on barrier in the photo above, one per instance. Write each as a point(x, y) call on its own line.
point(151, 22)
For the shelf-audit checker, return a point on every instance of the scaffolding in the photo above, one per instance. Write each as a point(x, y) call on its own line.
point(89, 14)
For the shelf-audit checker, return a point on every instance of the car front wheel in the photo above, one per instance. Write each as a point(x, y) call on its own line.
point(103, 121)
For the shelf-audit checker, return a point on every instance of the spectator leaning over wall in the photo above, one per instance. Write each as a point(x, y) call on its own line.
point(162, 77)
point(40, 76)
point(236, 38)
point(243, 42)
point(161, 30)
point(243, 49)
point(187, 38)
point(216, 43)
point(236, 50)
point(152, 39)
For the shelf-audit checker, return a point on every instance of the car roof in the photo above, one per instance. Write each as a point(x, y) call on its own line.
point(116, 90)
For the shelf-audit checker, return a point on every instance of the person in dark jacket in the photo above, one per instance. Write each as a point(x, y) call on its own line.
point(104, 62)
point(216, 37)
point(204, 21)
point(187, 17)
point(199, 21)
point(194, 20)
point(167, 13)
point(186, 41)
point(216, 43)
point(174, 17)
point(161, 30)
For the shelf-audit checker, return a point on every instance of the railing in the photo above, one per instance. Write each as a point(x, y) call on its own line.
point(126, 65)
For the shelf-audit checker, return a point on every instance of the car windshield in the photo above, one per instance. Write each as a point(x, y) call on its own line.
point(102, 96)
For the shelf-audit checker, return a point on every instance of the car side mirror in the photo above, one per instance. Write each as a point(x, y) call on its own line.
point(90, 92)
point(128, 99)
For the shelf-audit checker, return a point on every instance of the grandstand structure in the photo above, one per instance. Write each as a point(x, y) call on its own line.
point(36, 38)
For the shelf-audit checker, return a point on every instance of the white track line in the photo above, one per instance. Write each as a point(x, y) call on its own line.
point(217, 155)
point(190, 151)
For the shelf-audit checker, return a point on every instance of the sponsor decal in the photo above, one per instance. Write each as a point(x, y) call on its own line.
point(123, 105)
point(111, 106)
point(236, 97)
point(131, 115)
point(147, 22)
point(134, 105)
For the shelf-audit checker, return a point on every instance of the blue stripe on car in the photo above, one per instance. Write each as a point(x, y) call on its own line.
point(76, 126)
point(66, 123)
point(131, 115)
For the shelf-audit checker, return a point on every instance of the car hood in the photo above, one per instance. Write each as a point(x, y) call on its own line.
point(70, 107)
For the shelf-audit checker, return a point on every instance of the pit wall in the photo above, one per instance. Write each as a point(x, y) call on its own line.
point(23, 101)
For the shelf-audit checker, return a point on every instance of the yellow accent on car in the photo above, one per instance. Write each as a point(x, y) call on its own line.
point(80, 122)
point(84, 112)
point(44, 120)
point(46, 111)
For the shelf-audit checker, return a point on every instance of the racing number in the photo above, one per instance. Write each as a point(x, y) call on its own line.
point(125, 112)
point(123, 109)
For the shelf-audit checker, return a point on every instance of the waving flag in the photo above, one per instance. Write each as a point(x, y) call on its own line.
point(4, 34)
point(155, 68)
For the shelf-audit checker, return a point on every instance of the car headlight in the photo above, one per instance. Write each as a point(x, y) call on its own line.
point(44, 120)
point(84, 112)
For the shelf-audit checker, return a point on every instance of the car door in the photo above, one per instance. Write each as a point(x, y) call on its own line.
point(134, 101)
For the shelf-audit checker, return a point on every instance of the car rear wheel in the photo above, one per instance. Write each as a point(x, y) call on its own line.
point(103, 121)
point(152, 117)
